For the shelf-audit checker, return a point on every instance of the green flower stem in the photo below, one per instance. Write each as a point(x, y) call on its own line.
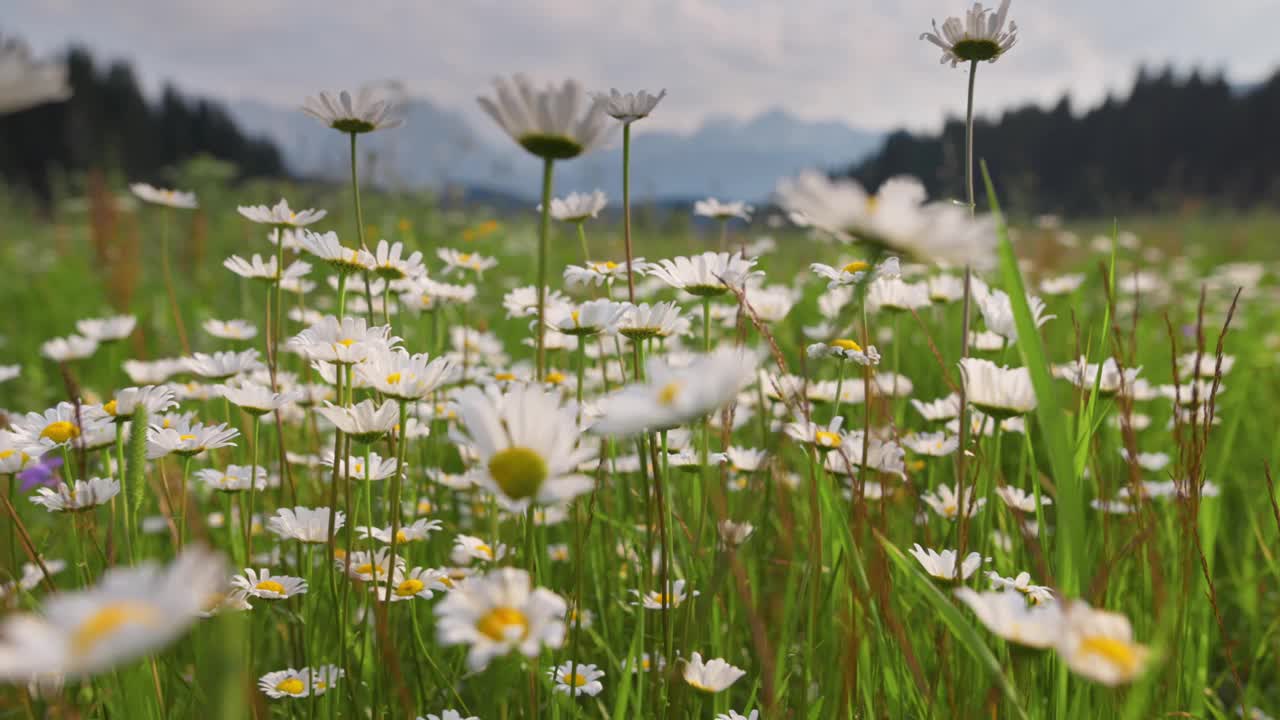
point(968, 139)
point(355, 189)
point(544, 239)
point(182, 499)
point(168, 282)
point(395, 493)
point(582, 238)
point(582, 369)
point(839, 388)
point(127, 532)
point(626, 209)
point(253, 492)
point(342, 295)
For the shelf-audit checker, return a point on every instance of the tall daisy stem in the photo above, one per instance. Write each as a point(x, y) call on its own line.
point(168, 284)
point(355, 188)
point(626, 209)
point(544, 236)
point(253, 492)
point(968, 139)
point(402, 442)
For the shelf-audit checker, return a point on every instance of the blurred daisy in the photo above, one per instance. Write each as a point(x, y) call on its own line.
point(280, 215)
point(896, 295)
point(421, 583)
point(933, 444)
point(734, 715)
point(979, 36)
point(235, 478)
point(1019, 499)
point(448, 715)
point(845, 349)
point(158, 196)
point(1009, 616)
point(254, 398)
point(546, 122)
point(576, 679)
point(262, 584)
point(1021, 583)
point(577, 207)
point(81, 496)
point(674, 598)
point(354, 116)
point(672, 396)
point(475, 262)
point(1099, 645)
point(9, 372)
point(230, 329)
point(129, 613)
point(711, 676)
point(589, 318)
point(717, 210)
point(645, 321)
point(388, 263)
point(419, 529)
point(500, 612)
point(629, 107)
point(105, 330)
point(938, 410)
point(308, 525)
point(600, 272)
point(997, 311)
point(370, 566)
point(64, 423)
point(467, 548)
point(71, 347)
point(528, 444)
point(851, 273)
point(1062, 284)
point(1108, 376)
point(224, 365)
point(188, 440)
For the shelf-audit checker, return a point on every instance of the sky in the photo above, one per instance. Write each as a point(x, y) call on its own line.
point(857, 61)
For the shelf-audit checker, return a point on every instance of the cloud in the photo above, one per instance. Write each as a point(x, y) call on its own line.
point(853, 60)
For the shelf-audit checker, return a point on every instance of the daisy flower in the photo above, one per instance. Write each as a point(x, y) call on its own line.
point(577, 207)
point(645, 664)
point(341, 259)
point(234, 478)
point(308, 525)
point(645, 321)
point(324, 677)
point(13, 457)
point(168, 198)
point(1020, 499)
point(365, 421)
point(523, 301)
point(354, 116)
point(717, 210)
point(896, 295)
point(938, 410)
point(188, 440)
point(224, 365)
point(500, 612)
point(672, 396)
point(1009, 616)
point(705, 275)
point(389, 265)
point(589, 318)
point(943, 565)
point(448, 715)
point(255, 268)
point(945, 288)
point(397, 374)
point(933, 444)
point(280, 215)
point(419, 582)
point(1109, 377)
point(600, 272)
point(734, 715)
point(9, 372)
point(946, 502)
point(344, 342)
point(1100, 646)
point(82, 496)
point(851, 273)
point(733, 534)
point(576, 679)
point(230, 329)
point(71, 347)
point(823, 437)
point(285, 683)
point(674, 598)
point(129, 613)
point(262, 584)
point(528, 444)
point(419, 529)
point(1001, 392)
point(105, 330)
point(546, 122)
point(371, 565)
point(467, 548)
point(1062, 284)
point(845, 349)
point(629, 107)
point(711, 676)
point(56, 426)
point(455, 261)
point(254, 398)
point(997, 311)
point(377, 468)
point(1035, 594)
point(979, 36)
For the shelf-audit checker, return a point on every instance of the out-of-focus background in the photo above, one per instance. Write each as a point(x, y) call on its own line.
point(1101, 108)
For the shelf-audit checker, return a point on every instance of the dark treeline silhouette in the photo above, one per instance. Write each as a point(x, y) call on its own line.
point(1173, 141)
point(109, 124)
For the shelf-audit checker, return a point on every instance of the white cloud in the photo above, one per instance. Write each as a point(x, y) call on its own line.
point(854, 60)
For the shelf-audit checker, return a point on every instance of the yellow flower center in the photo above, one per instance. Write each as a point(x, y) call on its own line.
point(446, 581)
point(504, 376)
point(578, 680)
point(60, 431)
point(668, 394)
point(826, 439)
point(1124, 655)
point(270, 586)
point(856, 266)
point(872, 203)
point(346, 342)
point(498, 623)
point(950, 510)
point(401, 537)
point(605, 266)
point(409, 587)
point(644, 663)
point(485, 550)
point(464, 257)
point(107, 620)
point(846, 344)
point(185, 438)
point(518, 471)
point(574, 314)
point(425, 507)
point(290, 686)
point(555, 377)
point(110, 408)
point(393, 378)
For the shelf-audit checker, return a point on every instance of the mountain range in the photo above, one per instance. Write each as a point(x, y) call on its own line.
point(727, 158)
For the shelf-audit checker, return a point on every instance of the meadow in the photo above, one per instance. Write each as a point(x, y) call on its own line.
point(858, 454)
